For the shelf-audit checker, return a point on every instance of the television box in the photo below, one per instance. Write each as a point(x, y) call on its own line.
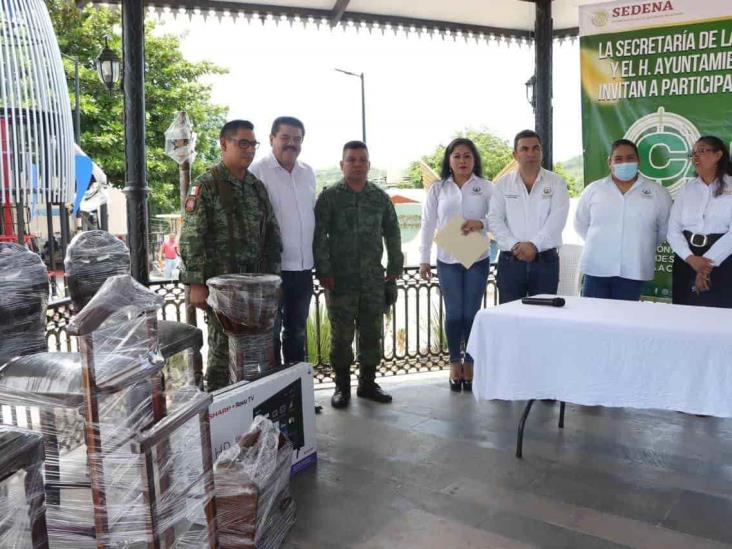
point(285, 397)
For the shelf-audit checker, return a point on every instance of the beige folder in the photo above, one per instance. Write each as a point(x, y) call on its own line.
point(465, 248)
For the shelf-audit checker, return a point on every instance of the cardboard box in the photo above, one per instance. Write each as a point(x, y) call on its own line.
point(285, 397)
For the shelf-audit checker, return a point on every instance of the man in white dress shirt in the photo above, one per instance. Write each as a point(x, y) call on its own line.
point(527, 214)
point(291, 188)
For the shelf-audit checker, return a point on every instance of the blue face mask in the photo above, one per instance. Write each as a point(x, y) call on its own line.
point(625, 171)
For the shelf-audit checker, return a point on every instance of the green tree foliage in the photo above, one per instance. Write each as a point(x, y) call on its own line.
point(171, 84)
point(574, 185)
point(575, 176)
point(494, 151)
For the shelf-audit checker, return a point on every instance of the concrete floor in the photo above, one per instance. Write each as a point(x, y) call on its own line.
point(436, 469)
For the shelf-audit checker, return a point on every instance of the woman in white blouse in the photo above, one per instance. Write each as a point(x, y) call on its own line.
point(461, 192)
point(622, 219)
point(700, 229)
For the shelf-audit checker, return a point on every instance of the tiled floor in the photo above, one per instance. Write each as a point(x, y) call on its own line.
point(437, 469)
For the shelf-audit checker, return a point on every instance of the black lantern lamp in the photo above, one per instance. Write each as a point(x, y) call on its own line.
point(530, 91)
point(108, 66)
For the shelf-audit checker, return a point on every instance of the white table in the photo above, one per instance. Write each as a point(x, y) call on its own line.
point(607, 353)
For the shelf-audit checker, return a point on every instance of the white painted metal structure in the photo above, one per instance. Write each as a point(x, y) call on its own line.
point(504, 14)
point(474, 19)
point(36, 130)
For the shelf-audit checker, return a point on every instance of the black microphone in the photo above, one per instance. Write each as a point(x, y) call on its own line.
point(547, 301)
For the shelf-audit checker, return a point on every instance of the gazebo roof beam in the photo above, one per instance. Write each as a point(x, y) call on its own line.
point(338, 10)
point(351, 16)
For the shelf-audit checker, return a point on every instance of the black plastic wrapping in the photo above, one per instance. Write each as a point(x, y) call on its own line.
point(21, 489)
point(91, 258)
point(44, 392)
point(23, 302)
point(246, 307)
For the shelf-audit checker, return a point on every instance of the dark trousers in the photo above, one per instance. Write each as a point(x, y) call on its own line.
point(297, 291)
point(356, 309)
point(462, 291)
point(720, 282)
point(612, 287)
point(517, 279)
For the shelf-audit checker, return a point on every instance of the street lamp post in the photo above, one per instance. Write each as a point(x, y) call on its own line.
point(531, 91)
point(108, 67)
point(180, 145)
point(363, 99)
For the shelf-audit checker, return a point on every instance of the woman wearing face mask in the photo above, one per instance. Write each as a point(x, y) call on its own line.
point(622, 219)
point(461, 192)
point(700, 229)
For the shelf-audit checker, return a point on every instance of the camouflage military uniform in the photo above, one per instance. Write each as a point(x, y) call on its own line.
point(229, 227)
point(348, 245)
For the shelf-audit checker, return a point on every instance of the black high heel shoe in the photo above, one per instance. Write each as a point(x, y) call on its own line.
point(468, 383)
point(456, 382)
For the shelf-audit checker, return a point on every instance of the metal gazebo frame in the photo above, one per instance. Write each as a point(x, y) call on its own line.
point(133, 43)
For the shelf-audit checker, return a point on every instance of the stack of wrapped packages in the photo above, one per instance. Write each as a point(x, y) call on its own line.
point(253, 504)
point(23, 302)
point(22, 506)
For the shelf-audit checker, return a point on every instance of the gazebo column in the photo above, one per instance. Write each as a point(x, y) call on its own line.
point(543, 43)
point(136, 189)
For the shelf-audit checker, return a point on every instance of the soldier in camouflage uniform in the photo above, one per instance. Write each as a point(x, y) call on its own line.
point(228, 227)
point(352, 220)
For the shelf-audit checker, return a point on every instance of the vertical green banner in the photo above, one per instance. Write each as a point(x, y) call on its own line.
point(660, 74)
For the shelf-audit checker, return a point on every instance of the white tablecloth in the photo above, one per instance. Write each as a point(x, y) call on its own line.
point(609, 353)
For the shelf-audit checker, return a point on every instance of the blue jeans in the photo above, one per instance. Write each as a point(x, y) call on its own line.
point(517, 279)
point(612, 287)
point(462, 290)
point(297, 291)
point(170, 265)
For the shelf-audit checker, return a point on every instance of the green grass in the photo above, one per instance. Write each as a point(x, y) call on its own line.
point(325, 330)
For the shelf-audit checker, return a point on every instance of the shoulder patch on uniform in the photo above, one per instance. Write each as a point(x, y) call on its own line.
point(190, 203)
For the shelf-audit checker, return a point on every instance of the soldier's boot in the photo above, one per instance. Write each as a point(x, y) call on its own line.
point(342, 395)
point(369, 389)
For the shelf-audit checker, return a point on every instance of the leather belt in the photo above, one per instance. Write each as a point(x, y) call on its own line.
point(701, 240)
point(547, 255)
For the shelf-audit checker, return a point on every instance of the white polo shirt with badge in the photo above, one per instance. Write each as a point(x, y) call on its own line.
point(292, 195)
point(538, 217)
point(621, 231)
point(697, 210)
point(444, 201)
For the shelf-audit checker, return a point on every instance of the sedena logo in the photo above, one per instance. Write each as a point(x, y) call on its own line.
point(642, 9)
point(600, 18)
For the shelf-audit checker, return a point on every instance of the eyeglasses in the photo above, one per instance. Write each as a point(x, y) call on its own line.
point(245, 143)
point(699, 152)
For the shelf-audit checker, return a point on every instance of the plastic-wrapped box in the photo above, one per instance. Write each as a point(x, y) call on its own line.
point(22, 507)
point(246, 306)
point(254, 508)
point(140, 442)
point(23, 302)
point(91, 258)
point(95, 256)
